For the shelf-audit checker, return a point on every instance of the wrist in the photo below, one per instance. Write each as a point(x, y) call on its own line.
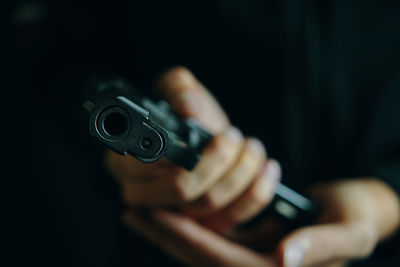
point(386, 207)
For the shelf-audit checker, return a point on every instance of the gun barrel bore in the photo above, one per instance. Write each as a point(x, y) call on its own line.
point(115, 123)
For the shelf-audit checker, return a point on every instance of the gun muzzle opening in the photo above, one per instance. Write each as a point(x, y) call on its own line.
point(115, 124)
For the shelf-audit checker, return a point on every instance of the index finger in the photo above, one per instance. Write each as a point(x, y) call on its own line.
point(190, 99)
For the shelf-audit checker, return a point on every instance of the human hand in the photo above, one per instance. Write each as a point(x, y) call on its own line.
point(356, 215)
point(231, 165)
point(190, 242)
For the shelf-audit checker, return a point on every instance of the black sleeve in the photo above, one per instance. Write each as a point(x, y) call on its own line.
point(380, 156)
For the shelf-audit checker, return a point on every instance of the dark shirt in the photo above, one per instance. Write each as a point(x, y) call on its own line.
point(317, 81)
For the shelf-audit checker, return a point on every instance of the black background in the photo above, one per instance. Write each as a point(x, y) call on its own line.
point(317, 81)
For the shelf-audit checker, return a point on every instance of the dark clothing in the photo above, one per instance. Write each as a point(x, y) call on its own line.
point(317, 81)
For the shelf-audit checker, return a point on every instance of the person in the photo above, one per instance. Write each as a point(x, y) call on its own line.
point(316, 84)
point(233, 182)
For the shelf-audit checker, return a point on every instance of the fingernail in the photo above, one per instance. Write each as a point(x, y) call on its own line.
point(269, 178)
point(234, 134)
point(273, 171)
point(256, 145)
point(295, 252)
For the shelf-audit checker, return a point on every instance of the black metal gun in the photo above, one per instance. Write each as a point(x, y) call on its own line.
point(127, 122)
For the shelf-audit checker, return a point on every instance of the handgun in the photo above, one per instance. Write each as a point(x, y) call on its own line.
point(126, 121)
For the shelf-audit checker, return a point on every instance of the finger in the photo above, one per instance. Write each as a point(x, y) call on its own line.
point(130, 168)
point(194, 244)
point(189, 98)
point(373, 193)
point(263, 236)
point(323, 243)
point(142, 184)
point(143, 226)
point(233, 183)
point(250, 203)
point(174, 185)
point(335, 263)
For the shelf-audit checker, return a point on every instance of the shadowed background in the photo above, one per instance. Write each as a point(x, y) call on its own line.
point(317, 81)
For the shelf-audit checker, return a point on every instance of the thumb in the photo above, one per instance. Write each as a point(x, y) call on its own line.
point(190, 99)
point(324, 243)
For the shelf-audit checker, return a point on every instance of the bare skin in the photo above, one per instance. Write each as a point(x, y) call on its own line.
point(233, 182)
point(233, 168)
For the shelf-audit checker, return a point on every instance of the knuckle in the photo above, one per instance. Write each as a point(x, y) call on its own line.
point(177, 79)
point(178, 72)
point(181, 191)
point(222, 149)
point(261, 192)
point(225, 145)
point(259, 198)
point(367, 242)
point(210, 202)
point(248, 165)
point(255, 148)
point(224, 155)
